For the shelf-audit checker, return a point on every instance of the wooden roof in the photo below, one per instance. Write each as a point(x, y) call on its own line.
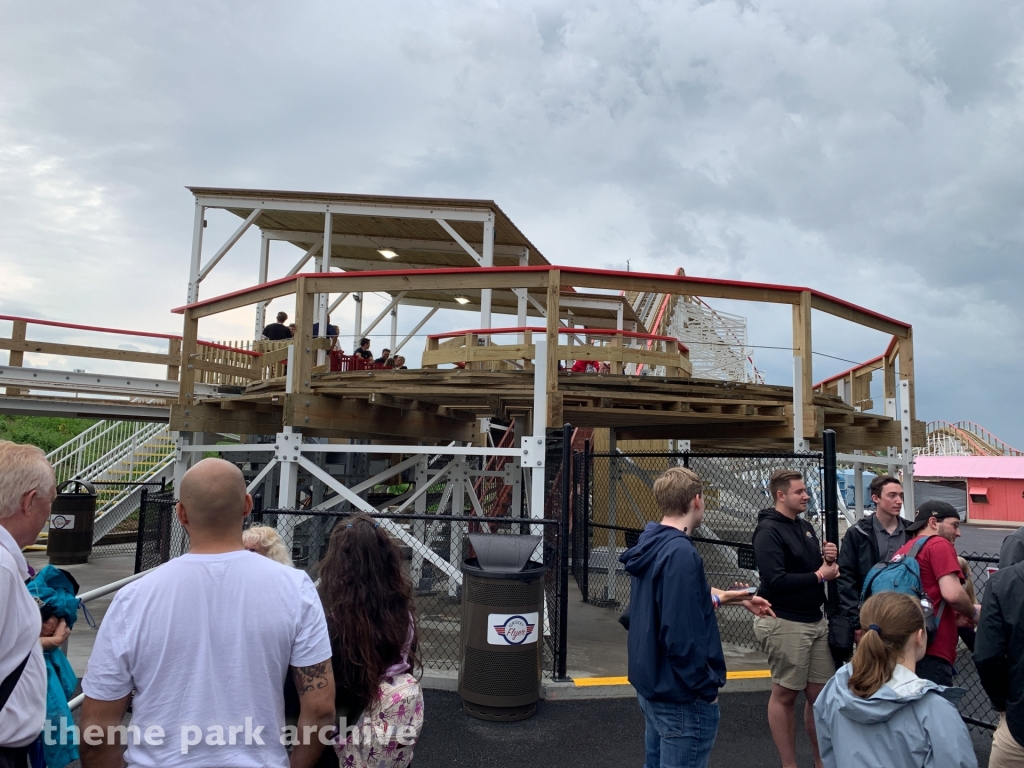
point(346, 227)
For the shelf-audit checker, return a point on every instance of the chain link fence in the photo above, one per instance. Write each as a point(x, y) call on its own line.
point(612, 501)
point(435, 545)
point(608, 518)
point(975, 707)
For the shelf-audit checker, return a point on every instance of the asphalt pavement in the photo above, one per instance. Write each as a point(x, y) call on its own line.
point(596, 733)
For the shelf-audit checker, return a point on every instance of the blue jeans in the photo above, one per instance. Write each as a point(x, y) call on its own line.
point(679, 735)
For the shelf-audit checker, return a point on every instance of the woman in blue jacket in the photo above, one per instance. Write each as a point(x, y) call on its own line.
point(877, 712)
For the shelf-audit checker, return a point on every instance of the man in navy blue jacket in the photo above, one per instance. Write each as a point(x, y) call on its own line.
point(676, 662)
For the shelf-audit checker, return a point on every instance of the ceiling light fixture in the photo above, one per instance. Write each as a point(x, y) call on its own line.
point(462, 300)
point(387, 253)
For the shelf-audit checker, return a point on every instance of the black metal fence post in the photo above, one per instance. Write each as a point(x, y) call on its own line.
point(563, 555)
point(830, 502)
point(140, 534)
point(585, 586)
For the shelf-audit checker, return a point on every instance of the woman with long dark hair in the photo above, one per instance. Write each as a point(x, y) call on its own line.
point(371, 619)
point(876, 711)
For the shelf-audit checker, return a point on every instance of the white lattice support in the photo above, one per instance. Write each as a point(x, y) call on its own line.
point(261, 476)
point(419, 527)
point(908, 451)
point(182, 458)
point(390, 526)
point(289, 452)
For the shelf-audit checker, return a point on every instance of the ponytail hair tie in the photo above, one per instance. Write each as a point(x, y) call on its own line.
point(376, 526)
point(349, 525)
point(875, 627)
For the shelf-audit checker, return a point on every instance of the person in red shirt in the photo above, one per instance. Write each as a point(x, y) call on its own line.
point(942, 580)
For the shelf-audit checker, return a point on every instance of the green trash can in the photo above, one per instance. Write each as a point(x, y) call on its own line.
point(501, 641)
point(72, 517)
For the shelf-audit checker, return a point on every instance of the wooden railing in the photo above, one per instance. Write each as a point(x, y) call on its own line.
point(477, 349)
point(214, 363)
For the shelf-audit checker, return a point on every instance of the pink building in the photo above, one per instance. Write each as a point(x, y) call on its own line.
point(993, 485)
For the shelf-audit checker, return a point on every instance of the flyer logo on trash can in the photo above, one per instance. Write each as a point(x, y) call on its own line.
point(60, 522)
point(512, 628)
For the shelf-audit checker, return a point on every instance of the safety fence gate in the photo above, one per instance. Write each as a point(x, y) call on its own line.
point(435, 543)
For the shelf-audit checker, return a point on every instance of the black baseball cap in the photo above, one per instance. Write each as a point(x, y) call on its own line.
point(940, 510)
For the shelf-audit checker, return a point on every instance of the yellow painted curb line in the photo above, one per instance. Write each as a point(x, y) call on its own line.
point(586, 682)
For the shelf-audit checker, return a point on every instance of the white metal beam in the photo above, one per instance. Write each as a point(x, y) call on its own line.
point(336, 303)
point(261, 476)
point(461, 241)
point(346, 209)
point(389, 525)
point(391, 305)
point(487, 260)
point(401, 243)
point(261, 307)
point(229, 243)
point(413, 332)
point(197, 253)
point(65, 381)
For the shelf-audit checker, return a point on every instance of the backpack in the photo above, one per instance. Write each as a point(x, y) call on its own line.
point(903, 574)
point(376, 741)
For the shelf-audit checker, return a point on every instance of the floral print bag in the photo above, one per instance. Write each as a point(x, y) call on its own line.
point(387, 732)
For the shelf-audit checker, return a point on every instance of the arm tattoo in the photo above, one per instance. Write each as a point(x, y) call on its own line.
point(310, 678)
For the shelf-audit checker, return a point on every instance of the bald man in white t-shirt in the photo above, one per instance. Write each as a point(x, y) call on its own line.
point(205, 643)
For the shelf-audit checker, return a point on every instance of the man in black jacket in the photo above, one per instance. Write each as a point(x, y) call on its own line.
point(999, 656)
point(794, 568)
point(874, 539)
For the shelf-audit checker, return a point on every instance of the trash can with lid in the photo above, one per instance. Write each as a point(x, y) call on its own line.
point(69, 540)
point(502, 628)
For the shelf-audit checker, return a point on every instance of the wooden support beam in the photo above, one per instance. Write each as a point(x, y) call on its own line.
point(858, 316)
point(210, 417)
point(17, 358)
point(225, 369)
point(330, 416)
point(553, 418)
point(907, 368)
point(302, 362)
point(173, 349)
point(802, 348)
point(189, 351)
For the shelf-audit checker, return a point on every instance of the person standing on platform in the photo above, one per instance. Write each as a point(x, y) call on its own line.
point(27, 489)
point(676, 663)
point(873, 539)
point(794, 568)
point(999, 657)
point(942, 580)
point(278, 331)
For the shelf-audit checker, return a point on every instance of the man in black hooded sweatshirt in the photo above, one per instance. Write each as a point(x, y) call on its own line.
point(676, 662)
point(794, 568)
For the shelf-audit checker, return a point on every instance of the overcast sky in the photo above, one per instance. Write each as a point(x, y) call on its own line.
point(872, 150)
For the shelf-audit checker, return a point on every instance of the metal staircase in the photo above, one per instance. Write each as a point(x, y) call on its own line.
point(115, 452)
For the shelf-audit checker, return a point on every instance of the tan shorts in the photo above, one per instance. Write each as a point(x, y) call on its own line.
point(1006, 752)
point(798, 653)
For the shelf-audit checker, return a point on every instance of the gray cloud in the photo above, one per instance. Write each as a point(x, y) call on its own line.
point(869, 149)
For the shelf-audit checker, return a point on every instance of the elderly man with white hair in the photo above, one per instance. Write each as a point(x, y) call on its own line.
point(27, 489)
